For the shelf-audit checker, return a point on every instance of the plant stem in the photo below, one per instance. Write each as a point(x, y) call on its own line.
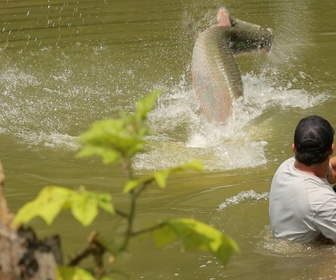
point(130, 219)
point(120, 213)
point(149, 229)
point(127, 167)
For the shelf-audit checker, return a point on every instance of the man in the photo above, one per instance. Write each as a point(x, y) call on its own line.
point(302, 205)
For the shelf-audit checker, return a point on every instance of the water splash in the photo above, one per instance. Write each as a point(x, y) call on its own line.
point(270, 246)
point(50, 109)
point(182, 134)
point(242, 197)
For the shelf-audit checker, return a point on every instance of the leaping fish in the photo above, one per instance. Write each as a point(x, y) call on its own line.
point(216, 76)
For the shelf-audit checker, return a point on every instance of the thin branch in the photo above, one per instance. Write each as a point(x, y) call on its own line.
point(149, 229)
point(134, 194)
point(95, 249)
point(142, 188)
point(79, 257)
point(131, 215)
point(122, 214)
point(126, 167)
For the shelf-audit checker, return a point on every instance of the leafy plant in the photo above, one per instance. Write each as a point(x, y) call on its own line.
point(117, 141)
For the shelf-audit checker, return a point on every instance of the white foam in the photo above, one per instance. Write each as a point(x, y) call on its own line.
point(43, 115)
point(250, 195)
point(261, 92)
point(185, 136)
point(49, 140)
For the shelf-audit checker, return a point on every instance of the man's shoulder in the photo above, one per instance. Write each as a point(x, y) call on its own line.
point(287, 164)
point(285, 169)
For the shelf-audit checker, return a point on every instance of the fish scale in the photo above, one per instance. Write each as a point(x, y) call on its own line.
point(216, 76)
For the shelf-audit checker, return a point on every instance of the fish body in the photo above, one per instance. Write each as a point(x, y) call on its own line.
point(216, 76)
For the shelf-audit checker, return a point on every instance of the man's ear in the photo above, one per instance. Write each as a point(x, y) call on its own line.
point(332, 149)
point(293, 148)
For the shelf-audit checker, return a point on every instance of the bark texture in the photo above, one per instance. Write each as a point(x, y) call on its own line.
point(22, 255)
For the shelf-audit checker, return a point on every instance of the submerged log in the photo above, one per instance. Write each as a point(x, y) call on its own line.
point(22, 255)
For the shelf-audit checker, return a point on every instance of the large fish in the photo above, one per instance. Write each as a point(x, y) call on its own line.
point(216, 76)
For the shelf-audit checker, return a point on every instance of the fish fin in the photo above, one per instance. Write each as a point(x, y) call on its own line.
point(223, 17)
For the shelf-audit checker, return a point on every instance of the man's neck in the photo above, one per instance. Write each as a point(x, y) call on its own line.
point(319, 169)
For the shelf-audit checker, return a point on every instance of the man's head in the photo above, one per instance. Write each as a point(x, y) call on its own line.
point(313, 140)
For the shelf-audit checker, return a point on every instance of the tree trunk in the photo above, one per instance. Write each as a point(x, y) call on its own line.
point(22, 255)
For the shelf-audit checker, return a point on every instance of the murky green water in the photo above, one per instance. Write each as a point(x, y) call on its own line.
point(67, 64)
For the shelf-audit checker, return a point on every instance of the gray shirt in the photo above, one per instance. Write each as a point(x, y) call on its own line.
point(302, 207)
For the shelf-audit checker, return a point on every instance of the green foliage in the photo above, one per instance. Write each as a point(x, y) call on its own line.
point(72, 273)
point(195, 235)
point(52, 199)
point(161, 177)
point(114, 139)
point(117, 141)
point(75, 273)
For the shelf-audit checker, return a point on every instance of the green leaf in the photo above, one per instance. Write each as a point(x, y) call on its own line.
point(196, 235)
point(108, 155)
point(145, 105)
point(113, 139)
point(50, 201)
point(105, 278)
point(84, 207)
point(195, 165)
point(163, 236)
point(132, 184)
point(105, 203)
point(72, 273)
point(161, 177)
